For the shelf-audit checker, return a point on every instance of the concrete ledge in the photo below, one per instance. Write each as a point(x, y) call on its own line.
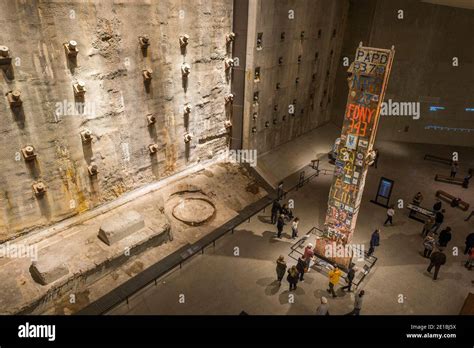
point(120, 226)
point(89, 270)
point(47, 271)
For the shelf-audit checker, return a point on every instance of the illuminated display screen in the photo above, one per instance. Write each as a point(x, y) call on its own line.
point(385, 188)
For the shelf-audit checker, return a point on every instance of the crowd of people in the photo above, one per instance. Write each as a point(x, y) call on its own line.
point(434, 244)
point(281, 215)
point(296, 274)
point(436, 236)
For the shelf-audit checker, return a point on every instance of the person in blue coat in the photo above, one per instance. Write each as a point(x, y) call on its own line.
point(374, 241)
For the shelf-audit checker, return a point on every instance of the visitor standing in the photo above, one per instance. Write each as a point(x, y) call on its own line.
point(439, 219)
point(418, 199)
point(437, 259)
point(444, 237)
point(308, 254)
point(323, 308)
point(454, 169)
point(280, 224)
point(280, 268)
point(390, 214)
point(285, 211)
point(300, 266)
point(276, 207)
point(374, 241)
point(429, 244)
point(350, 278)
point(437, 206)
point(292, 277)
point(469, 243)
point(427, 226)
point(334, 276)
point(357, 303)
point(294, 227)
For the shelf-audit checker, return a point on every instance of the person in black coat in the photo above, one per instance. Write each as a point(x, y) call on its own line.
point(469, 243)
point(437, 259)
point(292, 277)
point(437, 206)
point(280, 224)
point(300, 266)
point(374, 242)
point(439, 218)
point(276, 207)
point(444, 237)
point(350, 278)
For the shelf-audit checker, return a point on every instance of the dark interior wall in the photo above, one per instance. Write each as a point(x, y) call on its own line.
point(426, 41)
point(322, 22)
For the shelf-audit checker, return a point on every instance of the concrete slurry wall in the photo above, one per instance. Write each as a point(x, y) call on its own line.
point(426, 41)
point(322, 22)
point(110, 62)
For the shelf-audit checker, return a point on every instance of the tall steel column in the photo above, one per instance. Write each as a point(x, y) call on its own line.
point(368, 78)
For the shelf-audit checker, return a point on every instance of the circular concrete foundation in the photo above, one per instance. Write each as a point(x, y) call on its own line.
point(194, 211)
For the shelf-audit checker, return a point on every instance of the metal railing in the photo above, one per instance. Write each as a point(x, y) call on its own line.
point(151, 275)
point(322, 261)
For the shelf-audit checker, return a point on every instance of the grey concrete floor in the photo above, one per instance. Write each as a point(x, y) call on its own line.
point(219, 282)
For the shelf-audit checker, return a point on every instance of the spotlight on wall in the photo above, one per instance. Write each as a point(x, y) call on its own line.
point(230, 37)
point(28, 153)
point(71, 49)
point(79, 89)
point(153, 148)
point(185, 70)
point(93, 169)
point(188, 137)
point(229, 63)
point(229, 98)
point(184, 40)
point(147, 75)
point(39, 188)
point(151, 119)
point(14, 98)
point(5, 58)
point(144, 41)
point(86, 136)
point(187, 109)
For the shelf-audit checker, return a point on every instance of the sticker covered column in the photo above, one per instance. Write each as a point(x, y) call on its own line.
point(367, 78)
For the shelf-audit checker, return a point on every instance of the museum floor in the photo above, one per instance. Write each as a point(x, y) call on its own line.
point(220, 283)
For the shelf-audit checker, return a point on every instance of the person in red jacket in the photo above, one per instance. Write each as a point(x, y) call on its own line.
point(308, 254)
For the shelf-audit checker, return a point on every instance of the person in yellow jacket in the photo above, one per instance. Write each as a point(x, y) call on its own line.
point(334, 276)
